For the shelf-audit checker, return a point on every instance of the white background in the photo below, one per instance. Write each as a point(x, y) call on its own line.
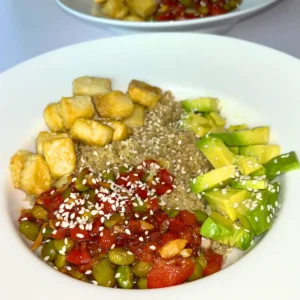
point(32, 27)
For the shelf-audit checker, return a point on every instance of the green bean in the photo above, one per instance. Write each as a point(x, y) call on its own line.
point(60, 261)
point(123, 169)
point(142, 268)
point(124, 277)
point(104, 273)
point(113, 220)
point(142, 283)
point(203, 10)
point(200, 216)
point(29, 229)
point(78, 275)
point(108, 176)
point(60, 244)
point(91, 197)
point(172, 213)
point(39, 213)
point(121, 257)
point(139, 206)
point(79, 185)
point(66, 194)
point(48, 251)
point(198, 271)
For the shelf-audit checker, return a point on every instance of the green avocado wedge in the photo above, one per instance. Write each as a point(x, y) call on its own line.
point(201, 105)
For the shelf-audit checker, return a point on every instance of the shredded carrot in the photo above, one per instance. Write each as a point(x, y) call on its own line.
point(39, 238)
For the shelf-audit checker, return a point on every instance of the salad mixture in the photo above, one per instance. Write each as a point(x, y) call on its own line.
point(136, 190)
point(165, 10)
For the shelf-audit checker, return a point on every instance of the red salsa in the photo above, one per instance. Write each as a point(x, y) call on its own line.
point(114, 230)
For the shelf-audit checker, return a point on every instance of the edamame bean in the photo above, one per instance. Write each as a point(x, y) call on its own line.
point(48, 251)
point(60, 261)
point(139, 205)
point(108, 176)
point(123, 169)
point(198, 271)
point(104, 273)
point(113, 220)
point(60, 244)
point(77, 275)
point(124, 277)
point(172, 213)
point(121, 257)
point(142, 283)
point(141, 268)
point(80, 185)
point(29, 229)
point(39, 213)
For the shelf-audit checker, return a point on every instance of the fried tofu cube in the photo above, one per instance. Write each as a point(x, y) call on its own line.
point(16, 166)
point(115, 9)
point(133, 18)
point(73, 108)
point(172, 248)
point(121, 131)
point(45, 136)
point(143, 93)
point(137, 119)
point(91, 86)
point(91, 132)
point(52, 117)
point(60, 155)
point(35, 177)
point(100, 1)
point(114, 105)
point(143, 8)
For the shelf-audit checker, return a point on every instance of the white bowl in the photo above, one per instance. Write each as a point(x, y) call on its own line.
point(89, 12)
point(257, 85)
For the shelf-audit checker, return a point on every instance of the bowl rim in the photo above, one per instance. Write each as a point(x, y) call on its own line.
point(236, 14)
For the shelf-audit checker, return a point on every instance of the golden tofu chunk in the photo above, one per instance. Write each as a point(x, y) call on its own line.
point(73, 108)
point(144, 8)
point(133, 18)
point(186, 252)
point(172, 248)
point(100, 1)
point(60, 155)
point(16, 166)
point(137, 119)
point(91, 132)
point(143, 93)
point(52, 117)
point(91, 86)
point(35, 177)
point(114, 105)
point(115, 9)
point(121, 131)
point(45, 136)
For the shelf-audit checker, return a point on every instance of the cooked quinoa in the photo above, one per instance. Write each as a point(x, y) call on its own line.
point(160, 139)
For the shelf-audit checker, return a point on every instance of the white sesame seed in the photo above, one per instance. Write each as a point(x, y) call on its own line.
point(80, 235)
point(256, 219)
point(117, 275)
point(127, 231)
point(152, 247)
point(46, 258)
point(88, 272)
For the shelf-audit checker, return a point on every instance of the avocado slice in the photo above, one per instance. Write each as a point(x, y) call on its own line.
point(216, 119)
point(196, 123)
point(224, 231)
point(263, 152)
point(274, 190)
point(256, 213)
point(254, 136)
point(251, 184)
point(282, 164)
point(260, 172)
point(247, 164)
point(234, 150)
point(201, 105)
point(225, 200)
point(215, 151)
point(212, 179)
point(237, 127)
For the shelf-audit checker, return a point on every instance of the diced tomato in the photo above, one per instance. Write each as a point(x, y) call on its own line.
point(107, 239)
point(127, 178)
point(142, 193)
point(96, 225)
point(187, 233)
point(170, 272)
point(59, 234)
point(190, 15)
point(214, 262)
point(216, 10)
point(107, 207)
point(122, 240)
point(162, 189)
point(145, 253)
point(167, 237)
point(165, 177)
point(167, 16)
point(85, 267)
point(188, 218)
point(147, 163)
point(196, 236)
point(153, 204)
point(175, 225)
point(52, 204)
point(78, 234)
point(78, 257)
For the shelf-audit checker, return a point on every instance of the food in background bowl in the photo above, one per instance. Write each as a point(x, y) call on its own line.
point(165, 10)
point(136, 190)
